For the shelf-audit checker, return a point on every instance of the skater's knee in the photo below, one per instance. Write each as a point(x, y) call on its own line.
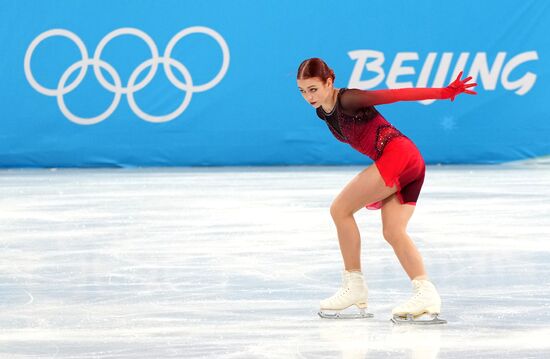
point(339, 210)
point(394, 236)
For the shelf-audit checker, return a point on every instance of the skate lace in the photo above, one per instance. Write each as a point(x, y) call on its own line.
point(416, 297)
point(341, 292)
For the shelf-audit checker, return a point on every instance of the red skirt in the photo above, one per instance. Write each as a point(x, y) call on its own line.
point(401, 164)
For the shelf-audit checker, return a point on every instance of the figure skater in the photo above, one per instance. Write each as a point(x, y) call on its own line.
point(391, 184)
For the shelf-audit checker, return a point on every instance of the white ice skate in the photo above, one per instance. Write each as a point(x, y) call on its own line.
point(354, 291)
point(423, 308)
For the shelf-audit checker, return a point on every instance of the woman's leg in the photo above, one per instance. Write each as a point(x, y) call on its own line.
point(367, 187)
point(395, 217)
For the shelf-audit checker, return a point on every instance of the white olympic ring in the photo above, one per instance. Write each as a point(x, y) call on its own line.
point(97, 63)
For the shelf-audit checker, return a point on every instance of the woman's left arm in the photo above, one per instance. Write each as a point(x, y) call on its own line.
point(361, 98)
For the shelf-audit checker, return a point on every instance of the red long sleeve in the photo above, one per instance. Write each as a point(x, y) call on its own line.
point(354, 99)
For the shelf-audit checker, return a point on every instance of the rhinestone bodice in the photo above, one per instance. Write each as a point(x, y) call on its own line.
point(365, 129)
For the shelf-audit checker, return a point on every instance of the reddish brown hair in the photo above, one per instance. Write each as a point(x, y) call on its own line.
point(315, 67)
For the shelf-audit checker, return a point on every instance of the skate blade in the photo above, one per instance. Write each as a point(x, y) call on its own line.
point(422, 319)
point(362, 314)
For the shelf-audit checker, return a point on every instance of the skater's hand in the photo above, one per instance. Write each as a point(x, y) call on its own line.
point(459, 86)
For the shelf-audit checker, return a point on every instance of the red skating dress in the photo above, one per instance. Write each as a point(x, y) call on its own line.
point(355, 121)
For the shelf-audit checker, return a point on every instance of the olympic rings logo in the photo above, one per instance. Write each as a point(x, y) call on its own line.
point(116, 88)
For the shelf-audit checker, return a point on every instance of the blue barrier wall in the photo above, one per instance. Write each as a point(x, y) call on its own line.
point(152, 83)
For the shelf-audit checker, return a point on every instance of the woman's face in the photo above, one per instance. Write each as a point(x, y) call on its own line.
point(315, 91)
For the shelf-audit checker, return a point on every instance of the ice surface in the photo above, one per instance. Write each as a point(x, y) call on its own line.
point(231, 263)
